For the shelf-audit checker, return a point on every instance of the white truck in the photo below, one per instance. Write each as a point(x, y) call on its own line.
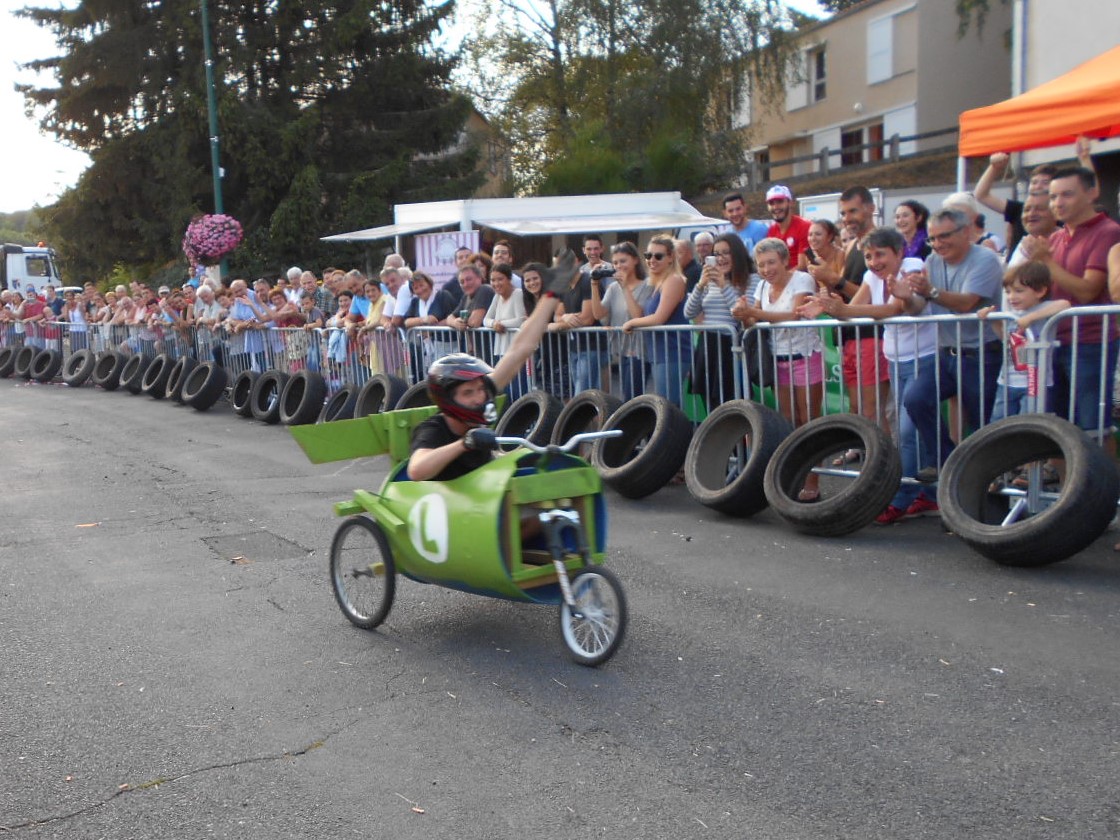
point(29, 267)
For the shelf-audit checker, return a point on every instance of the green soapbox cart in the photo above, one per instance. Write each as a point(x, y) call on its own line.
point(477, 533)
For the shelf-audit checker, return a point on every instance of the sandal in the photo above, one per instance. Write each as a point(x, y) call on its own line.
point(851, 456)
point(809, 496)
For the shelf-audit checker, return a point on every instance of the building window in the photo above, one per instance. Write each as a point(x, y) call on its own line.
point(854, 139)
point(818, 73)
point(880, 50)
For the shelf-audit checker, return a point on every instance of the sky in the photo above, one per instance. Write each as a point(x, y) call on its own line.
point(37, 168)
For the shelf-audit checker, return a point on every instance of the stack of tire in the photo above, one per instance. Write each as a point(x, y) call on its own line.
point(30, 363)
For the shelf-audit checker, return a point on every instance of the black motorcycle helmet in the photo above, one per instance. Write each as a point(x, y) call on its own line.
point(447, 373)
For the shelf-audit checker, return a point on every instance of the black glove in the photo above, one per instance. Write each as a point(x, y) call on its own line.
point(481, 439)
point(558, 279)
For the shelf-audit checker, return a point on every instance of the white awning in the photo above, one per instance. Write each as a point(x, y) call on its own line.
point(387, 231)
point(601, 224)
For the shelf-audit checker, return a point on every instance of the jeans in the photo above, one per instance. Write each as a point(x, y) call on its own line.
point(587, 369)
point(1087, 403)
point(914, 453)
point(668, 377)
point(923, 398)
point(633, 372)
point(1010, 401)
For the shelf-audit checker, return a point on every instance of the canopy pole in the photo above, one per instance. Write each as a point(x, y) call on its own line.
point(962, 173)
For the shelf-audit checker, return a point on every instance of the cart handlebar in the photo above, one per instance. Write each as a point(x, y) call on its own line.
point(572, 442)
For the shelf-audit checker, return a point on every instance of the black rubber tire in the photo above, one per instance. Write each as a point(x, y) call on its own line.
point(340, 406)
point(859, 501)
point(132, 374)
point(7, 361)
point(416, 396)
point(265, 400)
point(727, 458)
point(24, 359)
point(179, 373)
point(587, 411)
point(651, 450)
point(593, 638)
point(302, 400)
point(1082, 511)
point(79, 367)
point(155, 379)
point(381, 393)
point(351, 568)
point(204, 386)
point(532, 417)
point(241, 398)
point(46, 365)
point(107, 371)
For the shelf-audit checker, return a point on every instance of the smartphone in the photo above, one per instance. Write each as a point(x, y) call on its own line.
point(709, 260)
point(810, 256)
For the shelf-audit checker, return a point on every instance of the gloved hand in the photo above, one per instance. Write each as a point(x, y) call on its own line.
point(558, 279)
point(481, 439)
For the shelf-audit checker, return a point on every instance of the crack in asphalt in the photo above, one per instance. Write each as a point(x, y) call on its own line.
point(164, 780)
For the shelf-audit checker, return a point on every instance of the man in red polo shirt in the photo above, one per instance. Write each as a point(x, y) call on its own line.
point(791, 229)
point(1077, 256)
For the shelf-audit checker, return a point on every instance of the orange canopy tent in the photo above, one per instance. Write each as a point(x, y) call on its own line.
point(1085, 101)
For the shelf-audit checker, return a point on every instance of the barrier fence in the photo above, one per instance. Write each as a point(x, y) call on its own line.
point(945, 368)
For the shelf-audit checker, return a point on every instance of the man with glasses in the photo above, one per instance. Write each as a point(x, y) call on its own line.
point(958, 277)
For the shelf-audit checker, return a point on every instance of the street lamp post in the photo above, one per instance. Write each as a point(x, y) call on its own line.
point(212, 113)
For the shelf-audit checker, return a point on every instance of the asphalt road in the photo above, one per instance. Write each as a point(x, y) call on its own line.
point(174, 666)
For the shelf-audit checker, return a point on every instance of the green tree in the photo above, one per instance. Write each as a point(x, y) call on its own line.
point(651, 83)
point(314, 99)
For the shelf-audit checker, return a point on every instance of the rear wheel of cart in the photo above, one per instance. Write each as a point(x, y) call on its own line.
point(363, 574)
point(265, 400)
point(24, 359)
point(204, 386)
point(179, 373)
point(381, 393)
point(302, 400)
point(853, 503)
point(726, 462)
point(651, 449)
point(154, 383)
point(46, 365)
point(1003, 529)
point(593, 631)
point(242, 397)
point(107, 372)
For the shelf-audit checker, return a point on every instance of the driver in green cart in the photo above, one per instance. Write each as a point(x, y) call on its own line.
point(456, 440)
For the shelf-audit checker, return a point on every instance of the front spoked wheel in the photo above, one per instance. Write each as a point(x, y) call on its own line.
point(363, 575)
point(594, 635)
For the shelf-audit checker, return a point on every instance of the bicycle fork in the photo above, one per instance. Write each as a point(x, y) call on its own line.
point(555, 522)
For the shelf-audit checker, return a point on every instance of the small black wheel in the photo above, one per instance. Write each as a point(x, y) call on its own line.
point(46, 365)
point(416, 396)
point(7, 361)
point(363, 574)
point(650, 451)
point(79, 367)
point(204, 386)
point(24, 359)
point(531, 417)
point(594, 636)
point(178, 377)
point(340, 406)
point(302, 399)
point(380, 393)
point(154, 383)
point(132, 374)
point(587, 411)
point(265, 399)
point(107, 371)
point(242, 396)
